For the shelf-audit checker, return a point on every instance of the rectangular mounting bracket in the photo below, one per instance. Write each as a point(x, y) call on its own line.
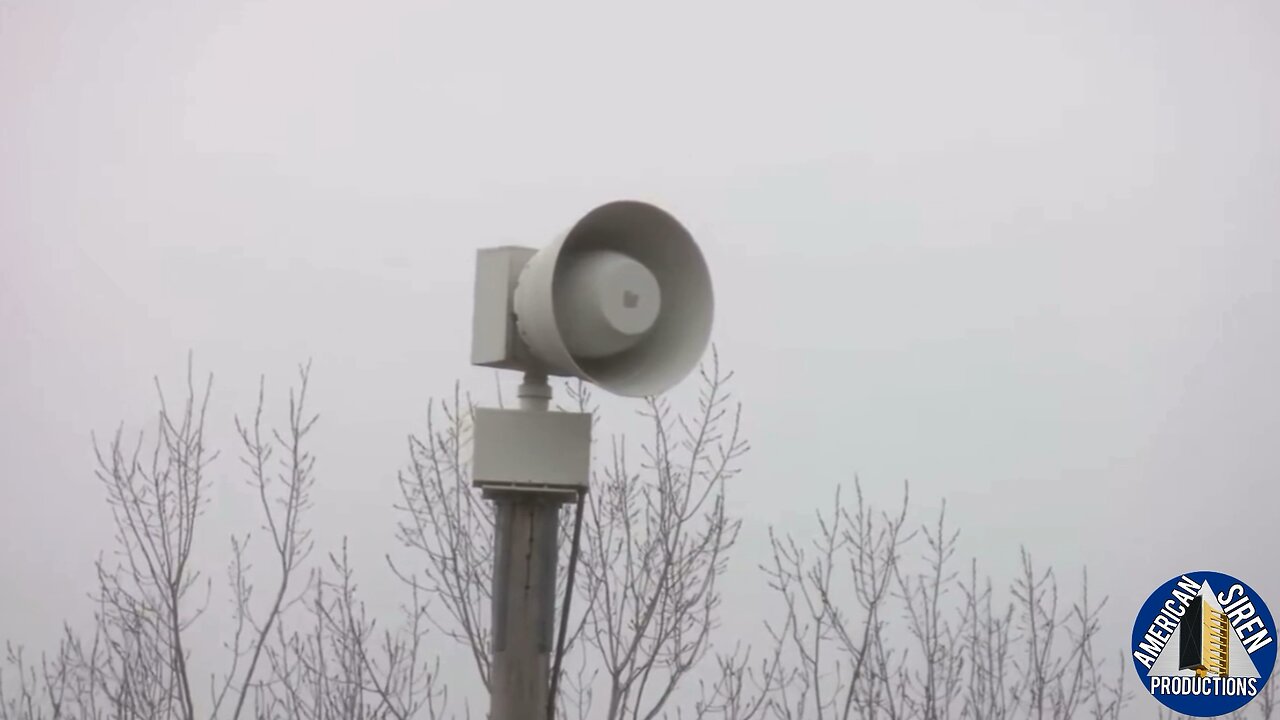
point(531, 451)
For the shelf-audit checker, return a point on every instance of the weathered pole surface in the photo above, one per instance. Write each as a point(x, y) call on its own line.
point(524, 584)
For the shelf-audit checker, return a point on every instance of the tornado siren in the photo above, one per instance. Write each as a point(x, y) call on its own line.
point(622, 300)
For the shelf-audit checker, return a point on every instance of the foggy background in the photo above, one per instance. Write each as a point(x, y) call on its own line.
point(1023, 254)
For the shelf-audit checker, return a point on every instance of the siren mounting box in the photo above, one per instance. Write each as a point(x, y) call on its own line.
point(531, 451)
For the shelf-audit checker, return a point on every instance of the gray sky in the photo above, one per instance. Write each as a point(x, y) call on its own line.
point(1022, 253)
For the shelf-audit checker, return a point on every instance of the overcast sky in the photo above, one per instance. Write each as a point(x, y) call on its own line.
point(1024, 254)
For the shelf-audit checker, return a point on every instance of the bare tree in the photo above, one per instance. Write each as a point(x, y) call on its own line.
point(875, 616)
point(341, 666)
point(864, 636)
point(451, 529)
point(136, 660)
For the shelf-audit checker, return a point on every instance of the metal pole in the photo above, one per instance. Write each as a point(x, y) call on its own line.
point(524, 584)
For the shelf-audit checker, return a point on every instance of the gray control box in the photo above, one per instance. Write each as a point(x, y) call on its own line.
point(531, 450)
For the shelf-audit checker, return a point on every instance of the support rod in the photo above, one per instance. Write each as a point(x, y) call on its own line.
point(534, 393)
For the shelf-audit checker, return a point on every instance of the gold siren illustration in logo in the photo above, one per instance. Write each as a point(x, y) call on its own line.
point(1204, 641)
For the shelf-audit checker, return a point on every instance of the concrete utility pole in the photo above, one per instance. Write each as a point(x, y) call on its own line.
point(623, 300)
